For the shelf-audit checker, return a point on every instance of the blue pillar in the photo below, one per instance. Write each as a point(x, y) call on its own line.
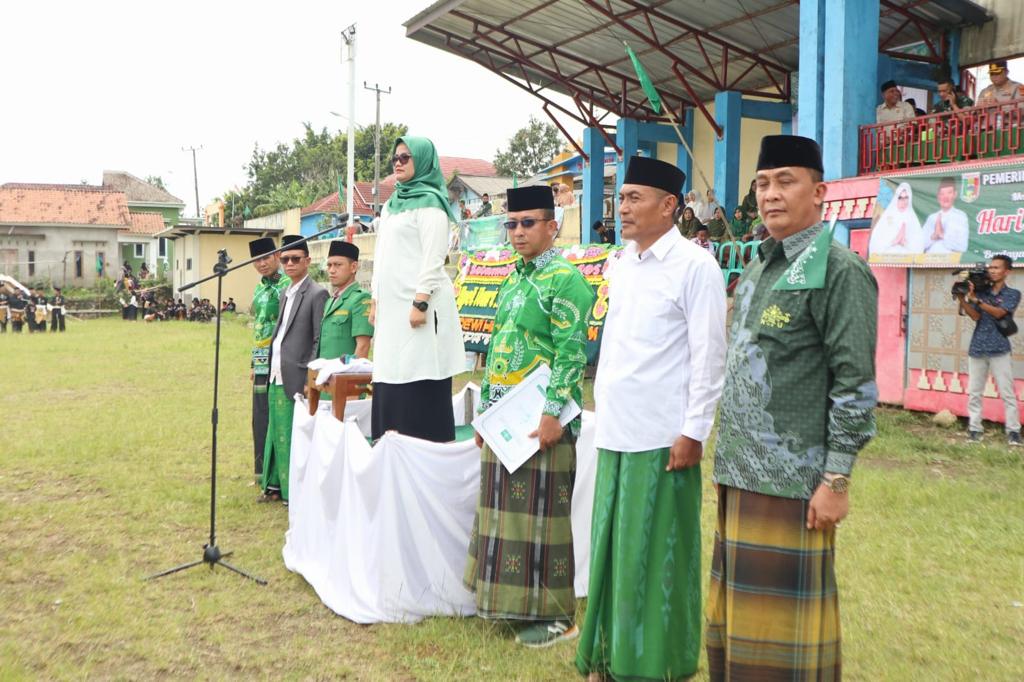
point(851, 33)
point(954, 55)
point(627, 132)
point(811, 81)
point(729, 115)
point(593, 184)
point(787, 127)
point(683, 159)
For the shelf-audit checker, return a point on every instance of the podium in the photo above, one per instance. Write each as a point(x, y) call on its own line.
point(342, 387)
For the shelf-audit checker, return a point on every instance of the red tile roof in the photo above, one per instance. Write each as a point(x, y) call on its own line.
point(465, 166)
point(361, 201)
point(146, 223)
point(39, 204)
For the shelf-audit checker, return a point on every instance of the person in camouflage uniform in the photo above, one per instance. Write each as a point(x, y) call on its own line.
point(265, 310)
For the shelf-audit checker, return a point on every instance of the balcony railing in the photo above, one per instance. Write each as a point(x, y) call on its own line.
point(965, 135)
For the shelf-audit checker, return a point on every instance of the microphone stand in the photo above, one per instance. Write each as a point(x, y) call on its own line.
point(211, 552)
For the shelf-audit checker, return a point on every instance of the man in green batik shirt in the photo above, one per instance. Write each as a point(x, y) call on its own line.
point(265, 308)
point(346, 329)
point(797, 406)
point(521, 562)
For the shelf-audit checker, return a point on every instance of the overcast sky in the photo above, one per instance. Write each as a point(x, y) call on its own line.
point(121, 85)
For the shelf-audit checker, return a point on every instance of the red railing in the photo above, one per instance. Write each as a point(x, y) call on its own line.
point(965, 135)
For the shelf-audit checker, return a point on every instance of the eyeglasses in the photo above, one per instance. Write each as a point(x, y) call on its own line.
point(400, 159)
point(527, 223)
point(287, 260)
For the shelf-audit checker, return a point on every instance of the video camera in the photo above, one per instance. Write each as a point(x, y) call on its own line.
point(977, 275)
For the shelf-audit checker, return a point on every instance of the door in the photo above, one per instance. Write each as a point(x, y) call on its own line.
point(891, 348)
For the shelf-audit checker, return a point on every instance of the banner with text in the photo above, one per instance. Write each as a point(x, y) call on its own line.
point(949, 218)
point(482, 272)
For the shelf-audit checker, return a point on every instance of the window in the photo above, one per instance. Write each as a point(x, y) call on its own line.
point(188, 263)
point(140, 250)
point(162, 247)
point(78, 263)
point(101, 264)
point(31, 263)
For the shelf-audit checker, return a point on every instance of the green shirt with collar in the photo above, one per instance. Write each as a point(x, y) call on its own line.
point(266, 306)
point(346, 316)
point(542, 315)
point(800, 389)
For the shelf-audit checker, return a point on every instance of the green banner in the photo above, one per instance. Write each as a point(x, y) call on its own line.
point(949, 218)
point(480, 276)
point(479, 233)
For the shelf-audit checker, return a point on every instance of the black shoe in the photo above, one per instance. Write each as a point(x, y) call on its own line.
point(974, 436)
point(1013, 438)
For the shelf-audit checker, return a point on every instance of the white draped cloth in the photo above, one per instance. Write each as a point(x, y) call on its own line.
point(381, 532)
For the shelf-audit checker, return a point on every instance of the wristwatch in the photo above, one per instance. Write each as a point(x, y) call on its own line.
point(420, 306)
point(837, 483)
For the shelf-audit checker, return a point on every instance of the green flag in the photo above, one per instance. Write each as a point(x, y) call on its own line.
point(515, 180)
point(645, 80)
point(341, 195)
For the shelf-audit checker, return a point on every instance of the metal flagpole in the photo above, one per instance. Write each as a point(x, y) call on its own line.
point(349, 38)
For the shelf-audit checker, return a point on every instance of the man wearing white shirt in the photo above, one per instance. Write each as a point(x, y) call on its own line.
point(658, 382)
point(705, 210)
point(946, 230)
point(295, 344)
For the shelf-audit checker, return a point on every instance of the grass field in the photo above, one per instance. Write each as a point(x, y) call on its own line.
point(104, 469)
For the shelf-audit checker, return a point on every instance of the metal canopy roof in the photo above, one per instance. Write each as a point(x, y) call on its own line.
point(691, 48)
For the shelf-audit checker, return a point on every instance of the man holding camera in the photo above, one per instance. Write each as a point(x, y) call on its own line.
point(990, 348)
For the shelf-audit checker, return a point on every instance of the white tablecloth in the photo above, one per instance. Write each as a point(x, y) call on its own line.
point(381, 533)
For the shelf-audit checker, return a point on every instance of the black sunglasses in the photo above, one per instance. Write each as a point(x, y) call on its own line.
point(292, 259)
point(525, 222)
point(400, 159)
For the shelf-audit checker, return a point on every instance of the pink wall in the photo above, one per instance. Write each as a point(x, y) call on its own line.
point(944, 395)
point(890, 351)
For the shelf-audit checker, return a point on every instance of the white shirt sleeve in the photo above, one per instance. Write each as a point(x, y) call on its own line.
point(957, 232)
point(433, 229)
point(703, 298)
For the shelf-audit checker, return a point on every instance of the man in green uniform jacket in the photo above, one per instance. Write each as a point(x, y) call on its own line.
point(265, 308)
point(521, 563)
point(346, 329)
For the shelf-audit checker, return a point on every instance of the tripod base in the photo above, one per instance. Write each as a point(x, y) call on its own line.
point(211, 556)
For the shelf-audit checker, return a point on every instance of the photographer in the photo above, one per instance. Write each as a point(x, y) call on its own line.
point(990, 348)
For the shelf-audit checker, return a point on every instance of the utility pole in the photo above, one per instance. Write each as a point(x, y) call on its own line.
point(348, 37)
point(376, 145)
point(195, 175)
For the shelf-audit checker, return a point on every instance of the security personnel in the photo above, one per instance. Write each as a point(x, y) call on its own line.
point(346, 328)
point(57, 310)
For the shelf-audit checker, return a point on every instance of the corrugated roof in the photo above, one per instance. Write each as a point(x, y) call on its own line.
point(494, 187)
point(40, 204)
point(692, 49)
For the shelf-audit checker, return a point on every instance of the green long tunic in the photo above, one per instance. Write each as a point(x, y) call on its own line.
point(266, 305)
point(346, 316)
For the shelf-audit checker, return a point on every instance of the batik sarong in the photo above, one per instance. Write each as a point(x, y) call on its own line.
point(521, 562)
point(773, 607)
point(643, 609)
point(279, 441)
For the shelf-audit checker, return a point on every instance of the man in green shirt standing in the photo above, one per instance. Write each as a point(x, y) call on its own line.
point(797, 406)
point(346, 328)
point(521, 562)
point(265, 307)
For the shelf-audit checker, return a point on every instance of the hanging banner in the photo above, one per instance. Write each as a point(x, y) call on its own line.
point(949, 218)
point(482, 272)
point(479, 233)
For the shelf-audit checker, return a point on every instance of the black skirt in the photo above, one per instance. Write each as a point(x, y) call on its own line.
point(421, 409)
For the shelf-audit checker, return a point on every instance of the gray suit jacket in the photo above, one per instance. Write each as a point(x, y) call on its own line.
point(299, 339)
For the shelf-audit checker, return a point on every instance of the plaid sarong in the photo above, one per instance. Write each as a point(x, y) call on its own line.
point(643, 607)
point(521, 563)
point(773, 607)
point(277, 452)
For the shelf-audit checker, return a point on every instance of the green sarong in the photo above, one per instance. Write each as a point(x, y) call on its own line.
point(276, 456)
point(521, 562)
point(643, 616)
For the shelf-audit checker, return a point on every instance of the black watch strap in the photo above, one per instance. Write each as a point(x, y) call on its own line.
point(420, 305)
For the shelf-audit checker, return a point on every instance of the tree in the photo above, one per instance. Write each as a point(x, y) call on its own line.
point(156, 181)
point(296, 174)
point(529, 150)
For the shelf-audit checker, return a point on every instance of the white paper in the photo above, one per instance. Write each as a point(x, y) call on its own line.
point(327, 367)
point(506, 424)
